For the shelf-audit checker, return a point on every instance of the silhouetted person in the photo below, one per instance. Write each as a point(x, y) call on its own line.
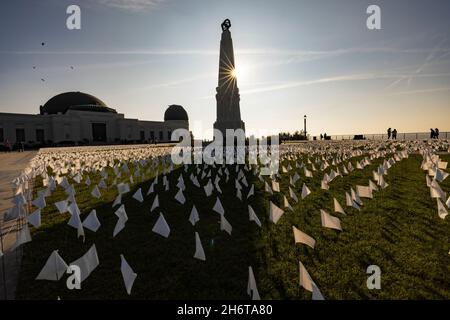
point(436, 133)
point(432, 134)
point(325, 136)
point(8, 145)
point(394, 134)
point(321, 136)
point(389, 131)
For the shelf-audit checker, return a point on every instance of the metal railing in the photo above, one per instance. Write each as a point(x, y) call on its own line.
point(400, 136)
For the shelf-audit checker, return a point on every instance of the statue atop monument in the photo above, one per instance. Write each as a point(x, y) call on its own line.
point(227, 91)
point(226, 24)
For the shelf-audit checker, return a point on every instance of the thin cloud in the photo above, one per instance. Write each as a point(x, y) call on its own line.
point(340, 78)
point(306, 54)
point(431, 90)
point(434, 55)
point(131, 5)
point(296, 84)
point(335, 52)
point(94, 66)
point(124, 52)
point(428, 60)
point(175, 83)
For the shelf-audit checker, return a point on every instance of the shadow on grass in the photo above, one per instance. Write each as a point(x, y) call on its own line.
point(166, 268)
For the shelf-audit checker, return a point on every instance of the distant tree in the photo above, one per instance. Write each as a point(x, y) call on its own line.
point(287, 136)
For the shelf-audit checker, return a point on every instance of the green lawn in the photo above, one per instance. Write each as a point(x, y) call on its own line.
point(399, 230)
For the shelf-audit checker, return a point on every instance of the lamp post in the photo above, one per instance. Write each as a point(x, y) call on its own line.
point(304, 128)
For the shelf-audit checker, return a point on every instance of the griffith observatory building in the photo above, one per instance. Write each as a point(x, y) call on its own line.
point(77, 118)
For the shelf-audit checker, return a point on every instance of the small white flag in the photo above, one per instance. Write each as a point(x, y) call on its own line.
point(305, 279)
point(77, 178)
point(301, 237)
point(252, 290)
point(161, 227)
point(151, 189)
point(119, 227)
point(123, 218)
point(338, 207)
point(286, 203)
point(275, 186)
point(91, 222)
point(180, 197)
point(102, 184)
point(54, 268)
point(208, 188)
point(382, 183)
point(267, 188)
point(127, 273)
point(123, 188)
point(218, 207)
point(329, 221)
point(275, 213)
point(442, 212)
point(199, 252)
point(441, 175)
point(96, 193)
point(239, 194)
point(293, 195)
point(253, 217)
point(316, 294)
point(39, 202)
point(117, 201)
point(87, 263)
point(364, 192)
point(62, 206)
point(225, 225)
point(75, 220)
point(251, 192)
point(372, 186)
point(155, 203)
point(121, 213)
point(35, 218)
point(194, 217)
point(305, 191)
point(138, 195)
point(355, 197)
point(350, 202)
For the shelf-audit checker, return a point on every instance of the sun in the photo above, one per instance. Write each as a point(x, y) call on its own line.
point(238, 73)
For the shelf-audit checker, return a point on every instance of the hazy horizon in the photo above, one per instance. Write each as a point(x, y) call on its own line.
point(293, 58)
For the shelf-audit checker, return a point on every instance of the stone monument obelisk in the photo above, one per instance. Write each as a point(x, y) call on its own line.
point(227, 96)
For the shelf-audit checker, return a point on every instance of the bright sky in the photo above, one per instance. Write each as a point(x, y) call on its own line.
point(294, 57)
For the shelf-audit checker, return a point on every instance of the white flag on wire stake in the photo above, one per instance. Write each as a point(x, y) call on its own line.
point(161, 227)
point(128, 274)
point(252, 290)
point(199, 252)
point(53, 269)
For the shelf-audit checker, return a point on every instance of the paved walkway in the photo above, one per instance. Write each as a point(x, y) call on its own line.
point(11, 164)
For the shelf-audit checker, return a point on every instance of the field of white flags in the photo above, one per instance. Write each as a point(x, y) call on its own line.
point(139, 227)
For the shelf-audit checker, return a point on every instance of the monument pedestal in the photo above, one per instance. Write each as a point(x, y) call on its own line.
point(222, 126)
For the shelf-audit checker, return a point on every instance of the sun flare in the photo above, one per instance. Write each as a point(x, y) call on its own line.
point(238, 73)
